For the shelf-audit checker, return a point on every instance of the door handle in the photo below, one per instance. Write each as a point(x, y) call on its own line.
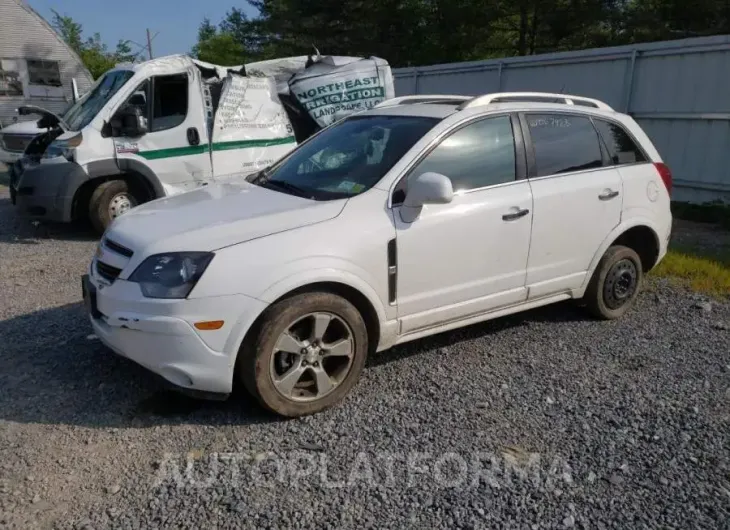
point(608, 195)
point(515, 215)
point(193, 136)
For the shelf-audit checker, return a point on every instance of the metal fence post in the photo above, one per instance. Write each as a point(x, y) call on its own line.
point(499, 77)
point(415, 82)
point(629, 81)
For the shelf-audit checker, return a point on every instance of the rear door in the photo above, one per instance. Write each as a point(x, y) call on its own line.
point(175, 148)
point(577, 199)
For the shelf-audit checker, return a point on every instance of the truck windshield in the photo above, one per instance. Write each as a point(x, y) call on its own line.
point(84, 110)
point(346, 159)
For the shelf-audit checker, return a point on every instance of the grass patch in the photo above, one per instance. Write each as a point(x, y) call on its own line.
point(705, 274)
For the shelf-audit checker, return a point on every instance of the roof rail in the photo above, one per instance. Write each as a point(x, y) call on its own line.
point(430, 98)
point(542, 97)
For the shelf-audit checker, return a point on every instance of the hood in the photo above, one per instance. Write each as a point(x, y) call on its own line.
point(48, 118)
point(216, 216)
point(22, 127)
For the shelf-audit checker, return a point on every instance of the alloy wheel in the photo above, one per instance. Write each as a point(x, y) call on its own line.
point(312, 357)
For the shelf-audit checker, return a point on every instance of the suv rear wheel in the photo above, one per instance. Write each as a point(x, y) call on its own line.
point(615, 283)
point(306, 355)
point(110, 200)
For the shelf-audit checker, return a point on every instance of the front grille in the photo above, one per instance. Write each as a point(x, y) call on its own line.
point(119, 249)
point(107, 272)
point(16, 143)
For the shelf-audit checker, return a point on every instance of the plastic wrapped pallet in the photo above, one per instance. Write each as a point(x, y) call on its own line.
point(334, 87)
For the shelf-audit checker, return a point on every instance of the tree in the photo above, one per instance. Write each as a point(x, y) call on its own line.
point(218, 47)
point(420, 32)
point(92, 51)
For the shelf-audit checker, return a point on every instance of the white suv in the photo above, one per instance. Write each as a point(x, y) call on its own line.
point(424, 214)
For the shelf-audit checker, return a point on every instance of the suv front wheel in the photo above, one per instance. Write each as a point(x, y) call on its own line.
point(306, 355)
point(615, 283)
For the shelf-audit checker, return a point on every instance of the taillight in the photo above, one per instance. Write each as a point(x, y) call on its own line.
point(665, 174)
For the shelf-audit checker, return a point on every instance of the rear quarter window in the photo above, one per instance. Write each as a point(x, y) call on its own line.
point(621, 147)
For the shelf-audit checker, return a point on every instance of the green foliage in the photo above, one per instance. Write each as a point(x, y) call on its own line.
point(218, 47)
point(93, 52)
point(420, 32)
point(709, 212)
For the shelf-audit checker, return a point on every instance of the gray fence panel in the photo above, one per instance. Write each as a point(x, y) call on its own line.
point(677, 91)
point(602, 80)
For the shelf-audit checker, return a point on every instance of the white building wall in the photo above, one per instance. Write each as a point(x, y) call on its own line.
point(25, 35)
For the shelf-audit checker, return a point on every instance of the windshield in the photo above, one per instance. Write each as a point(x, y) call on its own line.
point(84, 110)
point(346, 159)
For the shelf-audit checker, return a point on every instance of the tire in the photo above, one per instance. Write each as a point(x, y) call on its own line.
point(262, 365)
point(103, 199)
point(615, 283)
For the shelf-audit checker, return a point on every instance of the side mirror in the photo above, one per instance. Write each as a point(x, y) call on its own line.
point(75, 96)
point(128, 121)
point(428, 188)
point(137, 100)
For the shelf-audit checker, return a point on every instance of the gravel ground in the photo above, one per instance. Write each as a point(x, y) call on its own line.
point(540, 420)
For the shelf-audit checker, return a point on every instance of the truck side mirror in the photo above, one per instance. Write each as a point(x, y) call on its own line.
point(129, 121)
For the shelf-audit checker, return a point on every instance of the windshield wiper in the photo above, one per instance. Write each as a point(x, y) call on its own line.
point(259, 177)
point(286, 186)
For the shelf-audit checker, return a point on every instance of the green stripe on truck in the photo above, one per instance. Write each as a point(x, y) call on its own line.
point(156, 154)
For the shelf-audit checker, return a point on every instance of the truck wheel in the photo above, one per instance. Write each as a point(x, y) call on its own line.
point(615, 283)
point(306, 355)
point(110, 200)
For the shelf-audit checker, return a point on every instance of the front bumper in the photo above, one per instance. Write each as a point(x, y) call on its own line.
point(159, 334)
point(46, 190)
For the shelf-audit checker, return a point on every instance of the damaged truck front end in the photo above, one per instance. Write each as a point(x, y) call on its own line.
point(44, 188)
point(58, 164)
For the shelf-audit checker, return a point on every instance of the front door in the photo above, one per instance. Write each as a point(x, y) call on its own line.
point(175, 148)
point(577, 197)
point(469, 256)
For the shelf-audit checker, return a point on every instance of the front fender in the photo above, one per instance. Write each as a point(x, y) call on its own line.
point(308, 276)
point(322, 275)
point(613, 236)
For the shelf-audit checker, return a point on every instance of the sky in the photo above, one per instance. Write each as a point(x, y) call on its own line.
point(175, 21)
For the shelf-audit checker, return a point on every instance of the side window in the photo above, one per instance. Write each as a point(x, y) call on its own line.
point(563, 143)
point(480, 154)
point(10, 84)
point(621, 148)
point(43, 73)
point(169, 101)
point(141, 97)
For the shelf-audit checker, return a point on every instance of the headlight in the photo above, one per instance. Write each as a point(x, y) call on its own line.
point(171, 275)
point(65, 148)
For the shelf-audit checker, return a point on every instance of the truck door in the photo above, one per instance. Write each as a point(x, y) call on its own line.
point(251, 129)
point(175, 148)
